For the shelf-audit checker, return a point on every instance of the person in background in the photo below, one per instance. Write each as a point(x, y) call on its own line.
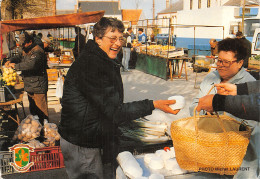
point(39, 35)
point(141, 37)
point(213, 47)
point(80, 41)
point(32, 63)
point(47, 44)
point(248, 46)
point(90, 36)
point(133, 36)
point(49, 35)
point(231, 55)
point(92, 103)
point(127, 49)
point(37, 38)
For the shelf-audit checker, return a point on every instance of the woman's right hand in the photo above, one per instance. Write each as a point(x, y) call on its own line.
point(7, 64)
point(164, 106)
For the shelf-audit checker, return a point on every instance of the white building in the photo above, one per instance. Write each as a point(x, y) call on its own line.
point(199, 17)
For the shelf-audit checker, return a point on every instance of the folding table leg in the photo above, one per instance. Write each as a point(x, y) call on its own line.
point(17, 116)
point(24, 115)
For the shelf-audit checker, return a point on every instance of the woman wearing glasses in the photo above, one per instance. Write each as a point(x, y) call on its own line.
point(231, 55)
point(92, 103)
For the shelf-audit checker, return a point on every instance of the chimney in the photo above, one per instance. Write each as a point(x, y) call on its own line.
point(167, 3)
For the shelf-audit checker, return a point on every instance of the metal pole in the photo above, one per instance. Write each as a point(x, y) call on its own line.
point(153, 11)
point(223, 32)
point(194, 43)
point(243, 16)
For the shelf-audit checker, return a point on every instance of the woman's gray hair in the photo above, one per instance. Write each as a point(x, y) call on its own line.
point(104, 23)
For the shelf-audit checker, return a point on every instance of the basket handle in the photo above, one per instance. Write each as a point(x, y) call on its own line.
point(196, 119)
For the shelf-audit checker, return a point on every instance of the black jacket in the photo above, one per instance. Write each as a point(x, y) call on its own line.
point(33, 65)
point(245, 105)
point(92, 103)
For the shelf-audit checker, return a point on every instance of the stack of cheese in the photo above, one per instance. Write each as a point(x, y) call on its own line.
point(129, 165)
point(132, 168)
point(163, 159)
point(167, 118)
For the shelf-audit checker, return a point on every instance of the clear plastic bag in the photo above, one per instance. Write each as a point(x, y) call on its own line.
point(50, 133)
point(59, 88)
point(28, 129)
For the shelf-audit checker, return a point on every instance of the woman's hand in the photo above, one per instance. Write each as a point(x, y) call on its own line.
point(226, 89)
point(205, 103)
point(8, 64)
point(164, 106)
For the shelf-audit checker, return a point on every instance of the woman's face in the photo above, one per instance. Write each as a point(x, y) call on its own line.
point(111, 42)
point(231, 66)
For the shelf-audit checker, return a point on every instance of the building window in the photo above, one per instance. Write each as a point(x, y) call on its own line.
point(191, 4)
point(208, 3)
point(199, 4)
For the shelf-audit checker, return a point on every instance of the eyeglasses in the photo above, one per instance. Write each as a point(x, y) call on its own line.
point(114, 39)
point(225, 63)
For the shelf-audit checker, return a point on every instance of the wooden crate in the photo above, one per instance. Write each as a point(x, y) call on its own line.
point(51, 95)
point(53, 74)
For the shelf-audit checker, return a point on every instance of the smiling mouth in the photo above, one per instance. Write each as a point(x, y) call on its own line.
point(114, 49)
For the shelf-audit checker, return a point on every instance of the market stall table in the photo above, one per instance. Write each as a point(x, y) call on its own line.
point(161, 66)
point(7, 106)
point(173, 64)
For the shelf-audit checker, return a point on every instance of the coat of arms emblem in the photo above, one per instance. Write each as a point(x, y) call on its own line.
point(21, 157)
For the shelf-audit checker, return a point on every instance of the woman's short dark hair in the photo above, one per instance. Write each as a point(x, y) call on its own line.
point(104, 23)
point(234, 45)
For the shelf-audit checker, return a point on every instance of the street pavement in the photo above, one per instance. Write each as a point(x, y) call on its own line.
point(137, 86)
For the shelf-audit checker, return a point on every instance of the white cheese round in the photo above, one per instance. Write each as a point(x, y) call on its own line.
point(156, 176)
point(148, 157)
point(180, 102)
point(156, 163)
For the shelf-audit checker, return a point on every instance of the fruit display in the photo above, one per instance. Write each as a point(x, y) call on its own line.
point(9, 76)
point(156, 50)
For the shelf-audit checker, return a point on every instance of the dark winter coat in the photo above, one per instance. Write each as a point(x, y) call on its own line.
point(92, 103)
point(245, 105)
point(33, 65)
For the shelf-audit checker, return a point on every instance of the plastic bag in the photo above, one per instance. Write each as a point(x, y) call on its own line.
point(50, 133)
point(59, 89)
point(28, 129)
point(35, 143)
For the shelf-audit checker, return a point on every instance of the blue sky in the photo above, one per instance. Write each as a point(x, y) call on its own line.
point(146, 5)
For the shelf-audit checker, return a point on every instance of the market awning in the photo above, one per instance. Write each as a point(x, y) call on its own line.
point(50, 22)
point(131, 15)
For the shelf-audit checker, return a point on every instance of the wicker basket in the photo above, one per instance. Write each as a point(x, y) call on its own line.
point(211, 144)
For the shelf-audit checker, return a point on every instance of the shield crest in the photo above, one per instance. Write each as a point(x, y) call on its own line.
point(21, 157)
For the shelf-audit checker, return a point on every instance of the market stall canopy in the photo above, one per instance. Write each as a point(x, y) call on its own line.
point(131, 15)
point(48, 22)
